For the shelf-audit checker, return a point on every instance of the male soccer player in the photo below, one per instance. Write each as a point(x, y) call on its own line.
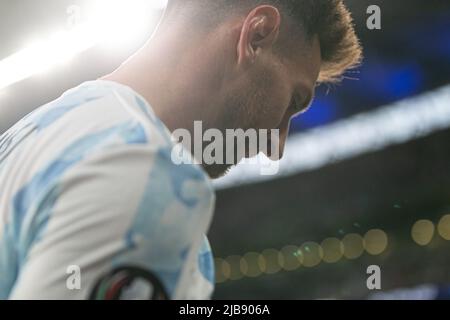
point(91, 203)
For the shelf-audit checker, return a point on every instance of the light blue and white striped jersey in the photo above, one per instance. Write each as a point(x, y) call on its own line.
point(88, 180)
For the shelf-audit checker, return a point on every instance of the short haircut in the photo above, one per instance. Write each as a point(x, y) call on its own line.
point(329, 20)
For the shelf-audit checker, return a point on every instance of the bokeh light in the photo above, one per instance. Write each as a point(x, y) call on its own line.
point(292, 260)
point(375, 241)
point(222, 269)
point(234, 263)
point(444, 227)
point(250, 266)
point(272, 261)
point(311, 253)
point(333, 250)
point(353, 246)
point(422, 232)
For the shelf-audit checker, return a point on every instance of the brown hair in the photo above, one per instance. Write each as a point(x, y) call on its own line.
point(330, 20)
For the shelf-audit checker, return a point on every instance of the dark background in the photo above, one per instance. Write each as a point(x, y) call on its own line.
point(389, 189)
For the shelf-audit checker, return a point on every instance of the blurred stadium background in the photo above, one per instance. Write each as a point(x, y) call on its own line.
point(366, 179)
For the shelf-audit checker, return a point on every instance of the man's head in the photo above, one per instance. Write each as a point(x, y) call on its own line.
point(266, 56)
point(251, 64)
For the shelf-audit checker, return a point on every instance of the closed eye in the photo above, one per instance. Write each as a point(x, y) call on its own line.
point(299, 105)
point(294, 104)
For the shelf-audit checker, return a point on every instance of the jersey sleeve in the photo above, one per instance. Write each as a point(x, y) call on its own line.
point(125, 207)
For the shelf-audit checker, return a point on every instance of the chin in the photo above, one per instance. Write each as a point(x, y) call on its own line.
point(217, 171)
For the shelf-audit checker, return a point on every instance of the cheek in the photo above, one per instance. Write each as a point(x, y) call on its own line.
point(269, 99)
point(276, 102)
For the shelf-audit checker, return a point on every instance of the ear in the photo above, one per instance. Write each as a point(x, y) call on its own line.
point(259, 32)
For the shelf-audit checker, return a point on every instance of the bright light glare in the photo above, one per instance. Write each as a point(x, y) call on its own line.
point(121, 23)
point(112, 22)
point(44, 54)
point(158, 4)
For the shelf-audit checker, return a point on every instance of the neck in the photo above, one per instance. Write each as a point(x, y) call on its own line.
point(155, 72)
